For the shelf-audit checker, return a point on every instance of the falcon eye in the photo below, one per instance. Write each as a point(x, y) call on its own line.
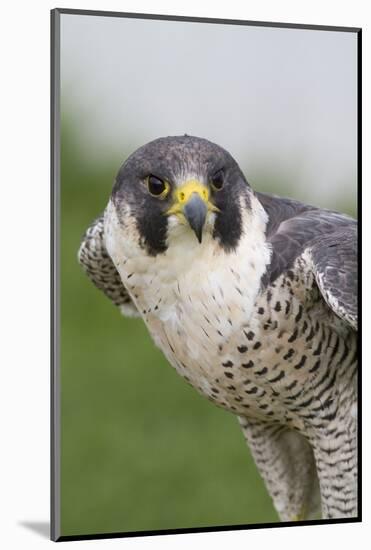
point(217, 181)
point(157, 187)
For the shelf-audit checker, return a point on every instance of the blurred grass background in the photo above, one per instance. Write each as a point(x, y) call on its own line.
point(141, 450)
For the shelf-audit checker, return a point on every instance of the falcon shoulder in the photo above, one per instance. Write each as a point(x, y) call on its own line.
point(326, 240)
point(97, 264)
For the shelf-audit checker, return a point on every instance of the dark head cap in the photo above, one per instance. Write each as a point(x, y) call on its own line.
point(176, 161)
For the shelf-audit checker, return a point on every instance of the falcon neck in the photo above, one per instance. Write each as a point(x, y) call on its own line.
point(189, 273)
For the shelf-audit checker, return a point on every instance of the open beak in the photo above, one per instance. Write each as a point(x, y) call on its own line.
point(192, 202)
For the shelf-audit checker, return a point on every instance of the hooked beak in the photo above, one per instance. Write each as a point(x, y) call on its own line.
point(195, 213)
point(192, 203)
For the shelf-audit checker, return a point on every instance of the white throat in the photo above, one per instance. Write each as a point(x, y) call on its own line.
point(172, 286)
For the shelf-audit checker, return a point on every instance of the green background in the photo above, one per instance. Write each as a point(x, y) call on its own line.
point(140, 449)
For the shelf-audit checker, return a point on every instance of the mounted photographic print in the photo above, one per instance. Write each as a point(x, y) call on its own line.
point(204, 285)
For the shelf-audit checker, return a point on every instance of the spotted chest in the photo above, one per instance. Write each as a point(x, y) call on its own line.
point(271, 354)
point(267, 364)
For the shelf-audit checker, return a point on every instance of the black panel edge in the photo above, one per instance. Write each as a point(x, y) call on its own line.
point(66, 538)
point(359, 215)
point(54, 276)
point(211, 20)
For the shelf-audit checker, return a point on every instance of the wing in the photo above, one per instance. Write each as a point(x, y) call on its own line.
point(334, 261)
point(98, 266)
point(328, 241)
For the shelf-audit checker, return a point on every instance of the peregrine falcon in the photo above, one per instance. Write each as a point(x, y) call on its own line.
point(252, 298)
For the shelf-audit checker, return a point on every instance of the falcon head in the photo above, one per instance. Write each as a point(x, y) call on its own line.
point(178, 188)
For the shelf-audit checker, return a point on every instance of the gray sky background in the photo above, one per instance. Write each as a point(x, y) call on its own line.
point(282, 101)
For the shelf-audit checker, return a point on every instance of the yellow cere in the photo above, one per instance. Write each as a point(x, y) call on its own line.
point(184, 193)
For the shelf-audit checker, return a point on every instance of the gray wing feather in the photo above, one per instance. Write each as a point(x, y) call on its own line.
point(97, 264)
point(334, 259)
point(330, 239)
